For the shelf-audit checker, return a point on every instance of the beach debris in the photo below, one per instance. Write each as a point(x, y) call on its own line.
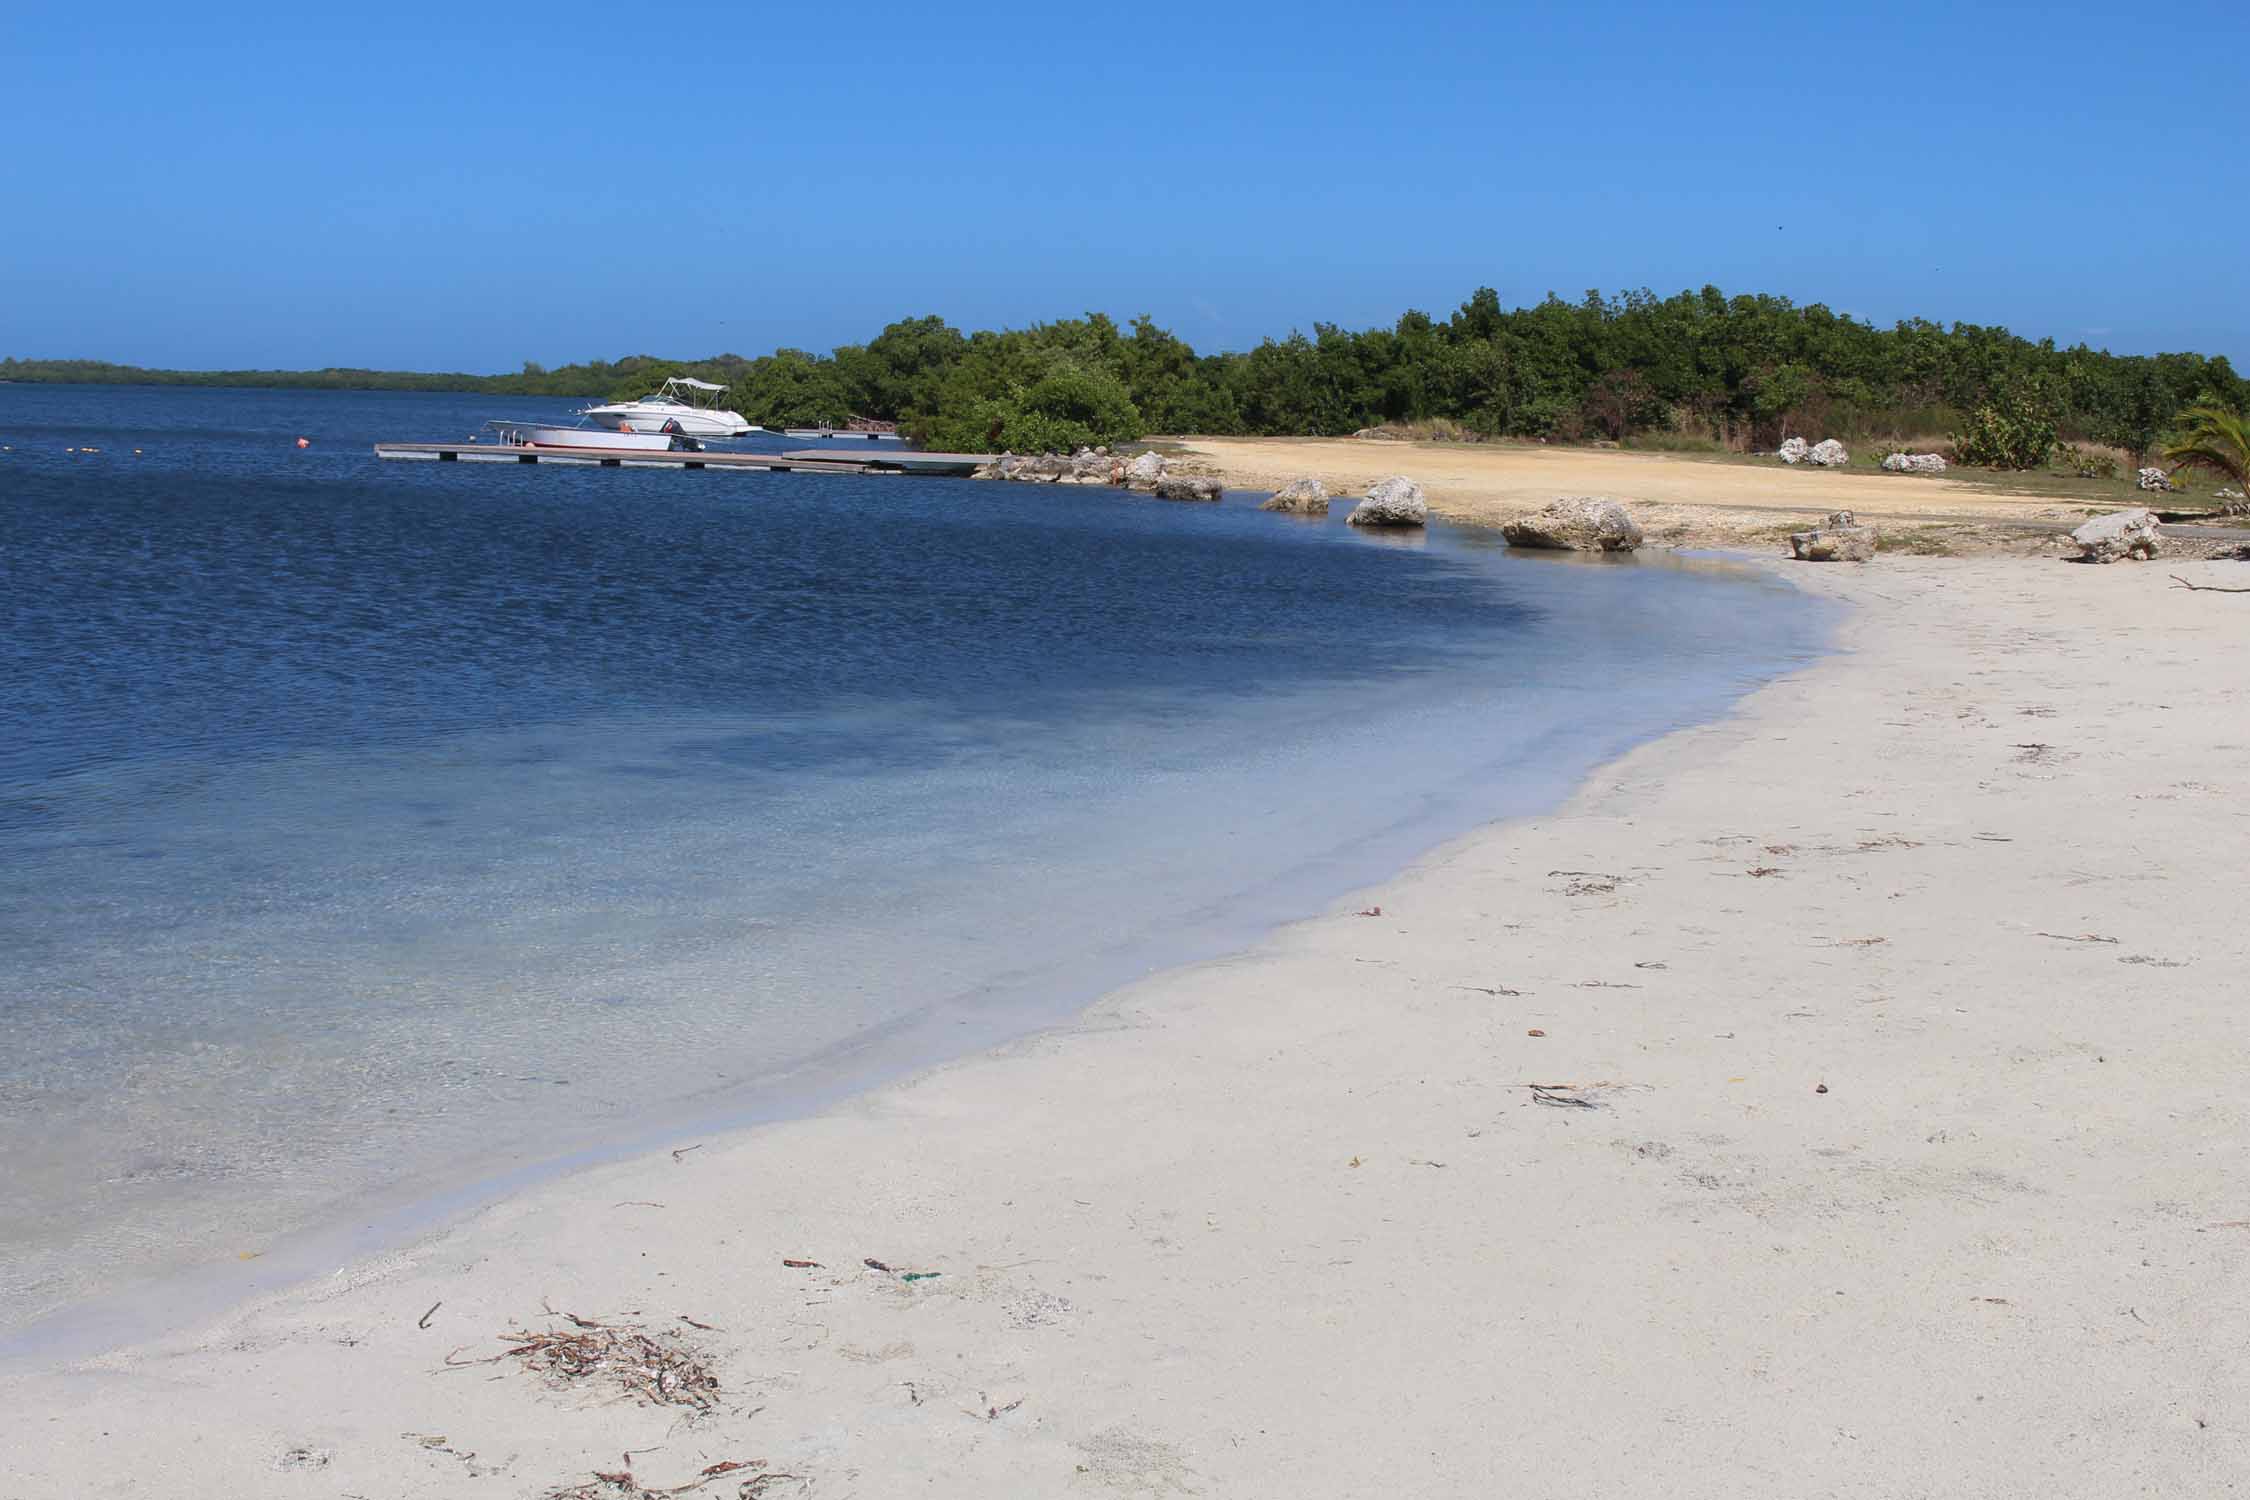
point(706, 1327)
point(1353, 1162)
point(1820, 1088)
point(1495, 990)
point(2121, 533)
point(2153, 961)
point(684, 1150)
point(2083, 937)
point(1393, 500)
point(2205, 588)
point(1188, 487)
point(873, 1264)
point(1371, 911)
point(304, 442)
point(992, 1412)
point(1653, 963)
point(1565, 1095)
point(2155, 480)
point(654, 1369)
point(1576, 523)
point(1840, 538)
point(1587, 882)
point(303, 1456)
point(424, 1320)
point(758, 1477)
point(1535, 1031)
point(1793, 450)
point(920, 1275)
point(1760, 872)
point(1828, 454)
point(1915, 463)
point(802, 1265)
point(1304, 497)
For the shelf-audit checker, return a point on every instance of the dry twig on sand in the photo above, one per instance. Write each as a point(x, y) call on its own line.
point(2205, 588)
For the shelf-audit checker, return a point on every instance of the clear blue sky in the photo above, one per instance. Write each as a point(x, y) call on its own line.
point(468, 187)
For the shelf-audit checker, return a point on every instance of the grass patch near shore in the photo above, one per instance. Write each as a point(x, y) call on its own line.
point(1921, 541)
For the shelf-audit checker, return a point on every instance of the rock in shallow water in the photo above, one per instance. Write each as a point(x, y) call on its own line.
point(1306, 497)
point(1582, 523)
point(1188, 487)
point(2121, 533)
point(1392, 501)
point(1840, 538)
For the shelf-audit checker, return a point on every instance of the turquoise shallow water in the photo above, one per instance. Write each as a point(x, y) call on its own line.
point(368, 830)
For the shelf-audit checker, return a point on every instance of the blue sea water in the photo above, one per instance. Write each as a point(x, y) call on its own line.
point(370, 829)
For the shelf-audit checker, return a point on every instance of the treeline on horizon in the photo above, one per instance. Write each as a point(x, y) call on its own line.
point(1692, 369)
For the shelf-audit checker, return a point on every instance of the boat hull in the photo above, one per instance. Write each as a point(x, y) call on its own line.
point(596, 437)
point(642, 416)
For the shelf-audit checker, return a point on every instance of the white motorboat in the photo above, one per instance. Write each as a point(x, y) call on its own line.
point(687, 407)
point(531, 435)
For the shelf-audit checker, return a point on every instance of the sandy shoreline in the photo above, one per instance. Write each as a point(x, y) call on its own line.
point(1695, 501)
point(1295, 1222)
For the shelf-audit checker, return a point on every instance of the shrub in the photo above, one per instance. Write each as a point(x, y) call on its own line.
point(2072, 459)
point(2015, 430)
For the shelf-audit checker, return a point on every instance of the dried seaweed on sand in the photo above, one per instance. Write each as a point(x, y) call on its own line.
point(748, 1481)
point(655, 1369)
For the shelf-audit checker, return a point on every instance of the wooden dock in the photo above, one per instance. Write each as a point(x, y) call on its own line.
point(811, 461)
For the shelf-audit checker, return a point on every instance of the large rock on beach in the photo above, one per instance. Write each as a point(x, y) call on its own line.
point(1840, 538)
point(1915, 463)
point(1576, 523)
point(2154, 479)
point(1143, 472)
point(1792, 450)
point(2121, 533)
point(1828, 454)
point(1304, 497)
point(1189, 487)
point(1392, 501)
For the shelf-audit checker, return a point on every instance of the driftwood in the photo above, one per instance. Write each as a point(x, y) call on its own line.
point(2205, 588)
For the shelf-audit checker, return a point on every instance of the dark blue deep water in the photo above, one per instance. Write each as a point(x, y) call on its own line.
point(366, 827)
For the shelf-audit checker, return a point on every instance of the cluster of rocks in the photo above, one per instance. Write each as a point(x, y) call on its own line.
point(1840, 538)
point(1825, 454)
point(2154, 479)
point(1915, 463)
point(1148, 471)
point(1391, 501)
point(1579, 523)
point(2121, 533)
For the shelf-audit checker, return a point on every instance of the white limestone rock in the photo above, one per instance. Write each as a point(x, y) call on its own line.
point(1392, 501)
point(1840, 538)
point(1582, 523)
point(1304, 497)
point(2121, 533)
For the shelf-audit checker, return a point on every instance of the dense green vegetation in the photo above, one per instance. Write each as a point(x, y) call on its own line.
point(1693, 370)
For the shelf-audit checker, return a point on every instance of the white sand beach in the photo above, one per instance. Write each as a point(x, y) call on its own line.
point(1843, 1099)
